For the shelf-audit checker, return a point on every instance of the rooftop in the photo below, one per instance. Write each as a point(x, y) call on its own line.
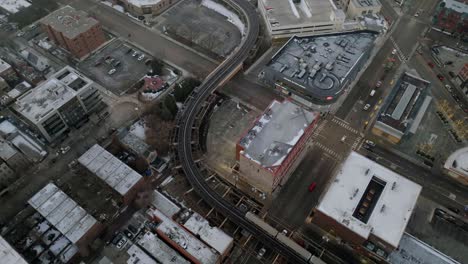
point(164, 204)
point(288, 14)
point(458, 161)
point(50, 95)
point(276, 132)
point(135, 143)
point(110, 169)
point(6, 150)
point(388, 197)
point(8, 254)
point(159, 250)
point(27, 145)
point(185, 239)
point(366, 3)
point(414, 251)
point(212, 236)
point(69, 21)
point(458, 6)
point(320, 64)
point(141, 3)
point(13, 6)
point(62, 212)
point(4, 66)
point(400, 109)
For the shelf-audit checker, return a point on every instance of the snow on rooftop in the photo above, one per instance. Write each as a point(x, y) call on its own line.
point(137, 255)
point(276, 132)
point(231, 16)
point(164, 204)
point(62, 212)
point(110, 169)
point(141, 3)
point(69, 21)
point(458, 6)
point(6, 150)
point(414, 251)
point(212, 236)
point(4, 65)
point(8, 254)
point(185, 239)
point(392, 211)
point(458, 162)
point(139, 129)
point(13, 6)
point(159, 250)
point(22, 141)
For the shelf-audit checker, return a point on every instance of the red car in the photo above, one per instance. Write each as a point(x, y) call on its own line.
point(312, 186)
point(430, 64)
point(441, 77)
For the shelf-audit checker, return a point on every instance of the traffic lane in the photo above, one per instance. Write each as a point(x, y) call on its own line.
point(388, 12)
point(408, 34)
point(157, 45)
point(295, 202)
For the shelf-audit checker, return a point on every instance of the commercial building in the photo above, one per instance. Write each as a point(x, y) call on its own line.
point(182, 240)
point(29, 147)
point(74, 31)
point(285, 19)
point(156, 249)
point(355, 8)
point(319, 69)
point(456, 165)
point(368, 206)
point(12, 156)
point(119, 176)
point(137, 146)
point(69, 218)
point(164, 204)
point(451, 16)
point(403, 108)
point(147, 7)
point(5, 69)
point(8, 254)
point(270, 150)
point(62, 102)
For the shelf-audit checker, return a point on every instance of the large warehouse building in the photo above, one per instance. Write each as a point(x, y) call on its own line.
point(403, 109)
point(368, 206)
point(270, 150)
point(319, 69)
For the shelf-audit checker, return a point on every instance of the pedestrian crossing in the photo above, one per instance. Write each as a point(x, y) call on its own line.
point(319, 128)
point(400, 54)
point(356, 143)
point(328, 151)
point(344, 124)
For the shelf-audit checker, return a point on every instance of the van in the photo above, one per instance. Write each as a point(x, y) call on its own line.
point(372, 93)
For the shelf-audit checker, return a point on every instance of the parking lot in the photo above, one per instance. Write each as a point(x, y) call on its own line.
point(117, 67)
point(200, 27)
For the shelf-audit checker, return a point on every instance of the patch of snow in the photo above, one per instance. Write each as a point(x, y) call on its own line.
point(151, 96)
point(231, 16)
point(119, 8)
point(139, 129)
point(294, 9)
point(44, 44)
point(179, 105)
point(13, 6)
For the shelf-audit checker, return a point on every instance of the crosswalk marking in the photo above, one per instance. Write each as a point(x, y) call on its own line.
point(344, 125)
point(328, 151)
point(400, 54)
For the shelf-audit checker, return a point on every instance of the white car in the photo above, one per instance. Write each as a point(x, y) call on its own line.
point(366, 107)
point(112, 71)
point(394, 51)
point(135, 53)
point(141, 57)
point(261, 253)
point(121, 243)
point(370, 143)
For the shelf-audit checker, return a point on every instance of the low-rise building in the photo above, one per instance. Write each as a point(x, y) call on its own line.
point(12, 156)
point(164, 204)
point(118, 175)
point(64, 101)
point(8, 254)
point(157, 249)
point(68, 217)
point(5, 69)
point(319, 69)
point(456, 165)
point(451, 16)
point(367, 206)
point(137, 146)
point(355, 8)
point(147, 7)
point(28, 146)
point(285, 19)
point(403, 109)
point(74, 30)
point(270, 151)
point(6, 174)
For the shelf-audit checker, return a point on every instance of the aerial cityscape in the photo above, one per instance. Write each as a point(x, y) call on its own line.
point(233, 131)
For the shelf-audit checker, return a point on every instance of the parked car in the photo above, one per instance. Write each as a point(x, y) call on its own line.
point(378, 84)
point(261, 253)
point(370, 143)
point(142, 56)
point(312, 186)
point(372, 93)
point(121, 243)
point(430, 64)
point(441, 77)
point(112, 71)
point(366, 107)
point(394, 51)
point(117, 238)
point(135, 53)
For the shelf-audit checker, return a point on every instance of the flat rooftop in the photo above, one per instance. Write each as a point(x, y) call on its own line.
point(276, 132)
point(458, 6)
point(185, 239)
point(4, 66)
point(62, 212)
point(164, 204)
point(320, 64)
point(402, 105)
point(458, 161)
point(212, 236)
point(110, 169)
point(8, 254)
point(134, 143)
point(69, 21)
point(159, 250)
point(141, 3)
point(50, 95)
point(389, 199)
point(367, 3)
point(288, 14)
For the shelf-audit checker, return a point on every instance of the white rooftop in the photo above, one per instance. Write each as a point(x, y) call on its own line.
point(141, 3)
point(275, 133)
point(367, 3)
point(163, 204)
point(185, 239)
point(392, 210)
point(6, 150)
point(4, 65)
point(22, 141)
point(159, 250)
point(458, 162)
point(138, 256)
point(458, 6)
point(288, 14)
point(13, 6)
point(212, 236)
point(8, 254)
point(50, 95)
point(110, 169)
point(62, 212)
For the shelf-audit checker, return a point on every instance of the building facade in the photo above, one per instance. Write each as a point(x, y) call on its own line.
point(147, 7)
point(64, 101)
point(451, 16)
point(74, 31)
point(270, 151)
point(357, 8)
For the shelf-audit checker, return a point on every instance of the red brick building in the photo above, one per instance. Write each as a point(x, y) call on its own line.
point(74, 31)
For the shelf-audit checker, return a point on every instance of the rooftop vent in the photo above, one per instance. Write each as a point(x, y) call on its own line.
point(393, 185)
